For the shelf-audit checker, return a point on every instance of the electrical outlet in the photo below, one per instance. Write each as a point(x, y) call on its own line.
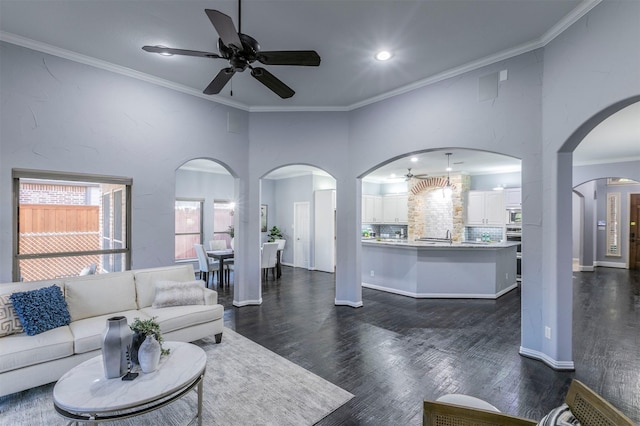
point(547, 332)
point(506, 276)
point(372, 273)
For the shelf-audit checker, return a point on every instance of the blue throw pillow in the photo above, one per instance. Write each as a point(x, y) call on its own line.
point(41, 310)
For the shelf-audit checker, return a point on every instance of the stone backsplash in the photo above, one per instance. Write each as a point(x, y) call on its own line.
point(432, 212)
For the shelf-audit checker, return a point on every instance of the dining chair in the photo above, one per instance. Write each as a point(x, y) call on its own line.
point(228, 263)
point(269, 259)
point(281, 243)
point(217, 245)
point(206, 264)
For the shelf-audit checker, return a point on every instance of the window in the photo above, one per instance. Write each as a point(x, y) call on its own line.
point(188, 225)
point(223, 212)
point(613, 224)
point(65, 223)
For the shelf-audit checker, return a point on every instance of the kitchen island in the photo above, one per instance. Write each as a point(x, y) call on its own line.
point(426, 269)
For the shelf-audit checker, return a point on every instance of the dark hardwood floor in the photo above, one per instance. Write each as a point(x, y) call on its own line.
point(396, 351)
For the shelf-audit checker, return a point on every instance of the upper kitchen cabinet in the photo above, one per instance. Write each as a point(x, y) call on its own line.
point(485, 208)
point(513, 198)
point(395, 208)
point(371, 209)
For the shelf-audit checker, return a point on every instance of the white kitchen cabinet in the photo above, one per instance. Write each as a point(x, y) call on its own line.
point(395, 208)
point(485, 208)
point(513, 198)
point(371, 209)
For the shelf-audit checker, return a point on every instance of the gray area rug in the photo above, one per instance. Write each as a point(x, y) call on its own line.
point(245, 384)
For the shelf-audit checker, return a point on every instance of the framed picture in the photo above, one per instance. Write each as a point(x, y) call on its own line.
point(263, 218)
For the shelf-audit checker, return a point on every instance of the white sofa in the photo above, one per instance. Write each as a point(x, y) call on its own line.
point(29, 361)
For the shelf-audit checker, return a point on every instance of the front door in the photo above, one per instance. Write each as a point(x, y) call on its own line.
point(634, 238)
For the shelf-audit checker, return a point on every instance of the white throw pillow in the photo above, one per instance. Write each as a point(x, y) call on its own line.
point(174, 293)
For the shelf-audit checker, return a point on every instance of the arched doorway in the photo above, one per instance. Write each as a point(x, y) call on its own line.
point(204, 211)
point(606, 165)
point(299, 202)
point(439, 190)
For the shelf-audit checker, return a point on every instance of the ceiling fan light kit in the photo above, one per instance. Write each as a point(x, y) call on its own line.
point(241, 51)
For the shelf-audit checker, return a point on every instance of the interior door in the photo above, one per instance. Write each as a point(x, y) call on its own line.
point(634, 240)
point(301, 234)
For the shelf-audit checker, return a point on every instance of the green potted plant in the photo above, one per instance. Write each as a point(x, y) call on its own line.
point(141, 329)
point(274, 234)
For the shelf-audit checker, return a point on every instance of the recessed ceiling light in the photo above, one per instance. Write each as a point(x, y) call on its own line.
point(392, 175)
point(414, 159)
point(383, 55)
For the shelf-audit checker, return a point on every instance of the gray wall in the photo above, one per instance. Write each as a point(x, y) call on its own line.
point(60, 115)
point(64, 116)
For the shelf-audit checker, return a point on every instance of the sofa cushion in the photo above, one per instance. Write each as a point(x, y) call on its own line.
point(20, 350)
point(146, 280)
point(9, 320)
point(176, 293)
point(41, 310)
point(102, 294)
point(179, 317)
point(87, 333)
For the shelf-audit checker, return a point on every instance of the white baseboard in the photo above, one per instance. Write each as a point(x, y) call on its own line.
point(585, 268)
point(247, 303)
point(608, 264)
point(348, 303)
point(556, 365)
point(439, 295)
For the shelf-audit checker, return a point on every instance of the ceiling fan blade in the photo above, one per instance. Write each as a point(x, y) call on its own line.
point(273, 83)
point(168, 50)
point(225, 28)
point(308, 58)
point(220, 81)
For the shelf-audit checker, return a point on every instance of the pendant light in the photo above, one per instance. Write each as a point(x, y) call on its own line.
point(447, 190)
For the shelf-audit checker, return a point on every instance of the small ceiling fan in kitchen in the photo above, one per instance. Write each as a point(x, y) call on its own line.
point(241, 51)
point(410, 176)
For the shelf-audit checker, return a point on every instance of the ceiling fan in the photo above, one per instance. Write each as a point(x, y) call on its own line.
point(410, 175)
point(242, 51)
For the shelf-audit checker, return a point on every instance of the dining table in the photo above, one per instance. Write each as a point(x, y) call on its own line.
point(221, 256)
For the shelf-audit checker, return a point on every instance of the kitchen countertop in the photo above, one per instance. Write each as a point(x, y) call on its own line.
point(438, 244)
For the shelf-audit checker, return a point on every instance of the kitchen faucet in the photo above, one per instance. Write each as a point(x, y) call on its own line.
point(448, 236)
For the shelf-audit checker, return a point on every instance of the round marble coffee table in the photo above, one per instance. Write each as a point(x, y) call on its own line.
point(83, 394)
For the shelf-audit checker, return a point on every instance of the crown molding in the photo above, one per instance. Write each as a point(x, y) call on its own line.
point(97, 63)
point(570, 18)
point(578, 12)
point(574, 15)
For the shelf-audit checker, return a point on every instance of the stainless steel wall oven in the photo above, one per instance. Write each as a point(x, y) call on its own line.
point(514, 234)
